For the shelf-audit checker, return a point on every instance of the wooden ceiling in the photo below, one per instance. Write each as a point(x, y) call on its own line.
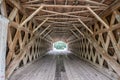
point(62, 14)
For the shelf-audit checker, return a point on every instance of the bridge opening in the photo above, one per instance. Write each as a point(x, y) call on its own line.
point(88, 29)
point(60, 46)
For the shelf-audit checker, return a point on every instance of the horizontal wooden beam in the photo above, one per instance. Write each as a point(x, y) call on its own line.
point(93, 2)
point(65, 14)
point(86, 1)
point(83, 11)
point(50, 17)
point(62, 6)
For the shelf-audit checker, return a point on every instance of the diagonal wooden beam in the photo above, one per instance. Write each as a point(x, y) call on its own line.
point(85, 25)
point(15, 62)
point(65, 14)
point(40, 25)
point(112, 62)
point(31, 16)
point(73, 41)
point(51, 38)
point(13, 14)
point(101, 51)
point(19, 57)
point(46, 34)
point(75, 34)
point(111, 35)
point(97, 17)
point(78, 30)
point(116, 26)
point(48, 40)
point(44, 30)
point(17, 5)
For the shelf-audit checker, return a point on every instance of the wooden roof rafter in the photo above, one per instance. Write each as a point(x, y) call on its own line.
point(66, 1)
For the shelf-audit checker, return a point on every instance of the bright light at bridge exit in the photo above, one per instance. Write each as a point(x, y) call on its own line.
point(60, 46)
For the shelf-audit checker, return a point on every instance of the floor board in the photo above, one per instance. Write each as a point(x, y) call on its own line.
point(58, 67)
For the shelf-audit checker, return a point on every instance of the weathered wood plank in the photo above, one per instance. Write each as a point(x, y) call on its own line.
point(44, 69)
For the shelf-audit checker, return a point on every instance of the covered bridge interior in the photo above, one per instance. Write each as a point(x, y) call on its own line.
point(90, 28)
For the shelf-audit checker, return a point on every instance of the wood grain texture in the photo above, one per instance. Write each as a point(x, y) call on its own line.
point(45, 69)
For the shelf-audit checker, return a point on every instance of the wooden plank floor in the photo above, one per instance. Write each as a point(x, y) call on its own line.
point(79, 70)
point(58, 67)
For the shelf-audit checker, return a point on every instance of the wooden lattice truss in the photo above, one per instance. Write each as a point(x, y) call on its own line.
point(35, 24)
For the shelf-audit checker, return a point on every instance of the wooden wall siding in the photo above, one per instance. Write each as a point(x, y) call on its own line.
point(108, 39)
point(23, 46)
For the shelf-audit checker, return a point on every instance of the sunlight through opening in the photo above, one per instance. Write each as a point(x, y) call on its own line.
point(60, 46)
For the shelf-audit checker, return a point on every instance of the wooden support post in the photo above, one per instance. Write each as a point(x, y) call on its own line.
point(3, 42)
point(85, 26)
point(3, 8)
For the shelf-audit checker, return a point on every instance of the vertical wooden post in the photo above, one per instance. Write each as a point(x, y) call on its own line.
point(3, 41)
point(3, 8)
